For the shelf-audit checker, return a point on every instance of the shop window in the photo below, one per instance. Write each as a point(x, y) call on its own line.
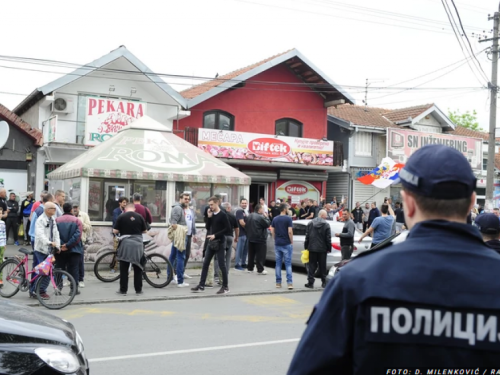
point(288, 127)
point(363, 144)
point(200, 193)
point(218, 120)
point(154, 197)
point(485, 164)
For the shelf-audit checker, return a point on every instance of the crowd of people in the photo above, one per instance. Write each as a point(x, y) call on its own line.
point(49, 226)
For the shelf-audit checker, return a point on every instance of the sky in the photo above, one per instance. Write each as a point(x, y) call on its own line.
point(406, 49)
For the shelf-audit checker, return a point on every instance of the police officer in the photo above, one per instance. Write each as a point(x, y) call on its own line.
point(489, 226)
point(429, 301)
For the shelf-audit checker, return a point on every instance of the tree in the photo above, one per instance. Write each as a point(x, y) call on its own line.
point(467, 120)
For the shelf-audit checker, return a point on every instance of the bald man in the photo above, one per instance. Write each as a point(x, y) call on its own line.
point(46, 239)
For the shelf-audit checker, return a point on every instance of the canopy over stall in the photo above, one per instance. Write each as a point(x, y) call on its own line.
point(146, 150)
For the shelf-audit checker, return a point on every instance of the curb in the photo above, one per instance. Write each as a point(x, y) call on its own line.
point(192, 296)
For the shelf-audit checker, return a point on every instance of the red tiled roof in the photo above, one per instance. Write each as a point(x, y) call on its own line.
point(202, 88)
point(13, 119)
point(359, 115)
point(402, 114)
point(465, 132)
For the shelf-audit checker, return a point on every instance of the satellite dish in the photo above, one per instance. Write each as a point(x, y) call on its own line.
point(4, 133)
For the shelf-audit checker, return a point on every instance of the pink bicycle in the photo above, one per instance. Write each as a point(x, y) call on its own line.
point(54, 288)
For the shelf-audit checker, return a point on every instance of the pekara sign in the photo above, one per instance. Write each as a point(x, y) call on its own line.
point(402, 143)
point(105, 117)
point(265, 147)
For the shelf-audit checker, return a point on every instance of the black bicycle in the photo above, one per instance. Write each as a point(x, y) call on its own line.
point(158, 271)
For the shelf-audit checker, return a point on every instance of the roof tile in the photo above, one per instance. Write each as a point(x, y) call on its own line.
point(26, 128)
point(402, 114)
point(194, 91)
point(361, 115)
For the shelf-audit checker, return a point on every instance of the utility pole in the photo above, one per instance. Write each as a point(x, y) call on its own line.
point(490, 170)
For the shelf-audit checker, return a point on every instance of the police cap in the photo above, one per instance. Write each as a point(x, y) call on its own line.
point(439, 172)
point(488, 223)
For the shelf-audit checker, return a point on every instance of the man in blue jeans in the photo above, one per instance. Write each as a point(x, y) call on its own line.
point(242, 246)
point(282, 230)
point(180, 215)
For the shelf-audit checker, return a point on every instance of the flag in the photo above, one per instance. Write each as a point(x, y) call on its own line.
point(386, 174)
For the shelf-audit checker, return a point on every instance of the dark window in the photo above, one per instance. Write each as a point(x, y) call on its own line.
point(299, 230)
point(218, 120)
point(485, 164)
point(289, 127)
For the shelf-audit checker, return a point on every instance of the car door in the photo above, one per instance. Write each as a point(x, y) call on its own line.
point(299, 236)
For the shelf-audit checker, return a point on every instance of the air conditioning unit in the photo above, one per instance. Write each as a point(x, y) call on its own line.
point(63, 104)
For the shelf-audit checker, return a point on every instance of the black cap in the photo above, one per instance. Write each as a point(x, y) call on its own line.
point(488, 223)
point(439, 172)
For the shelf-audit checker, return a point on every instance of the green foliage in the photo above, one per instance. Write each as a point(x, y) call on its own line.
point(467, 120)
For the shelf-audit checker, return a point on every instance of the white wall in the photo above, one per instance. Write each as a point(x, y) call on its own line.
point(428, 125)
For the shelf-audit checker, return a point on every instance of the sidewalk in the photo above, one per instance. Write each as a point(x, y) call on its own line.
point(240, 283)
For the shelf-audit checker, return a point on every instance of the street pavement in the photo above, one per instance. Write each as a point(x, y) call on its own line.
point(240, 283)
point(255, 334)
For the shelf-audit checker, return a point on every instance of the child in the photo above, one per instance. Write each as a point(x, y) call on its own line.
point(3, 243)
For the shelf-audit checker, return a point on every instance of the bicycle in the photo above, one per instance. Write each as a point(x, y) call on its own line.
point(158, 271)
point(15, 277)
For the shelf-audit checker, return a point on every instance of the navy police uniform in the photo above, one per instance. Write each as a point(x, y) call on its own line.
point(429, 301)
point(489, 224)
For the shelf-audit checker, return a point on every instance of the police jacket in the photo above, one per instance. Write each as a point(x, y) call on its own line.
point(318, 236)
point(430, 301)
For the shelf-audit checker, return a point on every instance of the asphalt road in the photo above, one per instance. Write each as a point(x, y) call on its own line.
point(231, 335)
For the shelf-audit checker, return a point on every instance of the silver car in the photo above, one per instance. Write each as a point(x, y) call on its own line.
point(299, 236)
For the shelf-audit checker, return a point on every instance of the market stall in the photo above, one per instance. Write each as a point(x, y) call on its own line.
point(145, 158)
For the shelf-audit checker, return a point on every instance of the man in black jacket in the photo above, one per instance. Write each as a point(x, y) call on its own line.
point(357, 216)
point(319, 242)
point(12, 221)
point(489, 226)
point(217, 225)
point(256, 225)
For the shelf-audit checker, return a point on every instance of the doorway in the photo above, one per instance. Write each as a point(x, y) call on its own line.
point(257, 191)
point(112, 192)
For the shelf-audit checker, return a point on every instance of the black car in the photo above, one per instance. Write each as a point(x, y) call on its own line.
point(37, 343)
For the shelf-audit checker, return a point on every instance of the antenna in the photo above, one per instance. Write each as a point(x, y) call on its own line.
point(368, 83)
point(4, 133)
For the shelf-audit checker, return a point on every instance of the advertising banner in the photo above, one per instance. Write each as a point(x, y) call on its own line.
point(265, 147)
point(105, 117)
point(295, 191)
point(402, 143)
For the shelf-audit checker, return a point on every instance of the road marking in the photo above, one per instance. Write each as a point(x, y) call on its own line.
point(270, 301)
point(187, 351)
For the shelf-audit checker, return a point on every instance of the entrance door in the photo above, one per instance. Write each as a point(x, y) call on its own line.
point(112, 192)
point(257, 191)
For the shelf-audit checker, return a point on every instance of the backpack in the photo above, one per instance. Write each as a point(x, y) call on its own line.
point(27, 210)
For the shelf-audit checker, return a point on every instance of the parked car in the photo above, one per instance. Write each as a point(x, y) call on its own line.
point(299, 236)
point(35, 342)
point(398, 238)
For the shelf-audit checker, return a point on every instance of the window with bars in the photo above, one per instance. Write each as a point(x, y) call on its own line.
point(363, 144)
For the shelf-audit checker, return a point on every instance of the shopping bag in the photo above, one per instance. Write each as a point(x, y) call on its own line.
point(305, 256)
point(20, 232)
point(44, 267)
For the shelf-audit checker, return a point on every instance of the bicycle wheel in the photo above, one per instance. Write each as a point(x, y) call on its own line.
point(51, 291)
point(13, 277)
point(158, 271)
point(104, 267)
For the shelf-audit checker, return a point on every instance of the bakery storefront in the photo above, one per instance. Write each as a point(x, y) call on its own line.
point(145, 158)
point(280, 167)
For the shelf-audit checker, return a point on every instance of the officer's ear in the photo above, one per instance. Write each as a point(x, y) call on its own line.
point(409, 203)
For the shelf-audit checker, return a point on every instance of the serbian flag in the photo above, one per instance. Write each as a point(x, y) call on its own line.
point(386, 174)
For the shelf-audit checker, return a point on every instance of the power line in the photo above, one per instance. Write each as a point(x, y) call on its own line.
point(343, 17)
point(467, 38)
point(459, 40)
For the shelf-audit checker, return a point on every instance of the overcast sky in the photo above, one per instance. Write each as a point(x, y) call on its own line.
point(390, 42)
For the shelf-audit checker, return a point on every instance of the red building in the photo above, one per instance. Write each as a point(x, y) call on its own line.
point(269, 120)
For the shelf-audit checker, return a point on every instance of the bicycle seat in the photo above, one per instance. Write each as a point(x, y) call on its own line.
point(25, 251)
